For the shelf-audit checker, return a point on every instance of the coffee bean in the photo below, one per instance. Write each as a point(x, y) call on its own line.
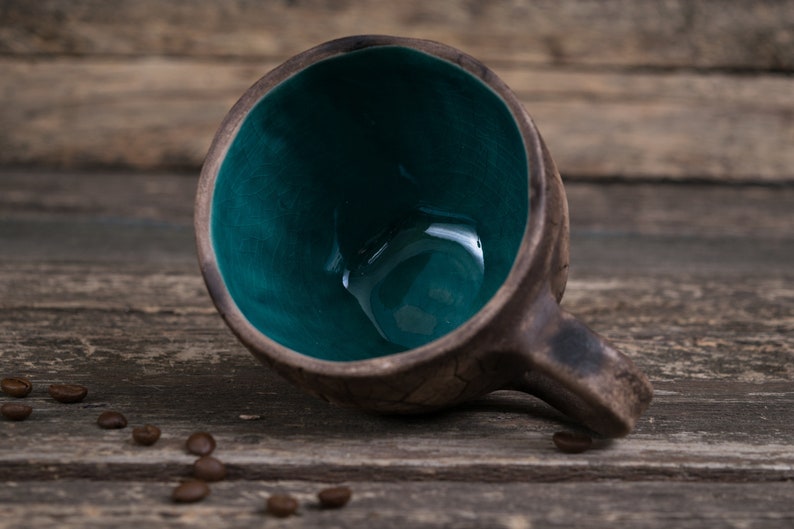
point(200, 443)
point(190, 491)
point(68, 393)
point(208, 468)
point(146, 435)
point(282, 505)
point(15, 412)
point(571, 442)
point(111, 420)
point(334, 497)
point(16, 386)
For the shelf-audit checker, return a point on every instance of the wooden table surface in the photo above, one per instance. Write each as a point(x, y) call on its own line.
point(99, 286)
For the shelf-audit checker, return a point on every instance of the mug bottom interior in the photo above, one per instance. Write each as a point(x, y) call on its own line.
point(370, 203)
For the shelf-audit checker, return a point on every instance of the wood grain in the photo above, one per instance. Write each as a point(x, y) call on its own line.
point(99, 286)
point(151, 113)
point(417, 505)
point(598, 208)
point(682, 89)
point(680, 33)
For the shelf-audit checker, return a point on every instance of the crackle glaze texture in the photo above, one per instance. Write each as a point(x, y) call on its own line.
point(370, 203)
point(377, 146)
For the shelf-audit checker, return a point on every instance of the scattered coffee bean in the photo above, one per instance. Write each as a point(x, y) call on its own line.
point(282, 505)
point(15, 412)
point(571, 442)
point(200, 443)
point(334, 497)
point(68, 393)
point(190, 492)
point(16, 386)
point(146, 435)
point(208, 468)
point(111, 420)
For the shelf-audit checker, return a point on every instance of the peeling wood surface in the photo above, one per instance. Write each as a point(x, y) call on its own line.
point(685, 90)
point(99, 285)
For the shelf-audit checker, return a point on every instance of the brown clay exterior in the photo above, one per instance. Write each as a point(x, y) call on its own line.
point(521, 339)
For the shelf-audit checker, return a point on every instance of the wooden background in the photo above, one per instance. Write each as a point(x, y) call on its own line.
point(673, 124)
point(686, 90)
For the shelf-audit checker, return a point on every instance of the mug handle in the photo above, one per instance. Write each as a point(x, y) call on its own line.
point(578, 372)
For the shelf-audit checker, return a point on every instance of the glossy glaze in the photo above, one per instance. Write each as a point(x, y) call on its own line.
point(338, 188)
point(420, 278)
point(371, 203)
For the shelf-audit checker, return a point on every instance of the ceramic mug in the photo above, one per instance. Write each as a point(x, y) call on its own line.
point(378, 220)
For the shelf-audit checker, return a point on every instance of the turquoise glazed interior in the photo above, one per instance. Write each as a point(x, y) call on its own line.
point(369, 204)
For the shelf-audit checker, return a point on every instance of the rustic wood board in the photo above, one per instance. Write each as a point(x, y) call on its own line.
point(469, 505)
point(99, 285)
point(156, 112)
point(728, 34)
point(683, 89)
point(750, 211)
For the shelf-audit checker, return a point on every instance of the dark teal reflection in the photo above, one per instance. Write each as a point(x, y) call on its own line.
point(369, 204)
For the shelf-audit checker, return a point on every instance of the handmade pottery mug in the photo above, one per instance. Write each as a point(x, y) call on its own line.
point(378, 219)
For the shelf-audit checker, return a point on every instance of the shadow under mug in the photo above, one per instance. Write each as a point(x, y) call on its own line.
point(378, 219)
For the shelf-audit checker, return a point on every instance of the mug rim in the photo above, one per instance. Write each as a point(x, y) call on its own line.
point(526, 255)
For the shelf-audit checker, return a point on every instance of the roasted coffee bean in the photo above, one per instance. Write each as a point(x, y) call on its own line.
point(190, 491)
point(16, 386)
point(68, 393)
point(571, 442)
point(111, 420)
point(208, 468)
point(14, 411)
point(200, 443)
point(146, 435)
point(282, 505)
point(334, 497)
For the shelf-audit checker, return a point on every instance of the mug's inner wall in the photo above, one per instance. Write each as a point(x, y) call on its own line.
point(369, 204)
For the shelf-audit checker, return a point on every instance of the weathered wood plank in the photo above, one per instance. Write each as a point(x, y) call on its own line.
point(98, 196)
point(680, 33)
point(140, 113)
point(686, 327)
point(162, 112)
point(686, 294)
point(98, 285)
point(683, 211)
point(706, 211)
point(149, 333)
point(399, 505)
point(185, 373)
